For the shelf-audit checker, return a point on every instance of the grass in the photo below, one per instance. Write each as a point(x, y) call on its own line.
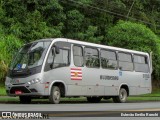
point(143, 99)
point(8, 99)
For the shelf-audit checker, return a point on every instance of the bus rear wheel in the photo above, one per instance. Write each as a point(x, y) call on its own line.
point(94, 99)
point(25, 99)
point(55, 95)
point(122, 98)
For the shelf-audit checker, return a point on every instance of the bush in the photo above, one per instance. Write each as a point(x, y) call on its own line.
point(8, 45)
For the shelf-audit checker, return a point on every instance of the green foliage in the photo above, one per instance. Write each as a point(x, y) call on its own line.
point(34, 28)
point(137, 37)
point(73, 23)
point(90, 35)
point(33, 19)
point(74, 19)
point(8, 45)
point(86, 20)
point(132, 36)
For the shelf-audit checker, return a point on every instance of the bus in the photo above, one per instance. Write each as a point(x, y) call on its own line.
point(59, 67)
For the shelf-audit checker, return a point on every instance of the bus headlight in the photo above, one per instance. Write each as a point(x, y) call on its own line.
point(37, 80)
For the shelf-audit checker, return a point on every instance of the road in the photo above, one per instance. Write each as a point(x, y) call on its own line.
point(86, 109)
point(146, 106)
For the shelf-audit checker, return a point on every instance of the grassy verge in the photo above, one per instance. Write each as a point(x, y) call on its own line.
point(138, 99)
point(8, 99)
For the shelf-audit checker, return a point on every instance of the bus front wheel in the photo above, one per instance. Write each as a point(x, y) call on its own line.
point(55, 95)
point(122, 98)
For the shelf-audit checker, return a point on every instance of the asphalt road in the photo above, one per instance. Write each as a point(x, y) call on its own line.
point(146, 106)
point(85, 109)
point(76, 111)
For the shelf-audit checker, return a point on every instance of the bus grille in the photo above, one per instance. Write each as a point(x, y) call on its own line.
point(21, 88)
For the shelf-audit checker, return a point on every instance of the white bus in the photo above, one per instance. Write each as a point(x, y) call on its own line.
point(55, 68)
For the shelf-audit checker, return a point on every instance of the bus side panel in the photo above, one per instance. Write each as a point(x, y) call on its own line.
point(100, 81)
point(89, 85)
point(111, 90)
point(76, 90)
point(145, 86)
point(132, 80)
point(132, 90)
point(85, 90)
point(138, 82)
point(57, 74)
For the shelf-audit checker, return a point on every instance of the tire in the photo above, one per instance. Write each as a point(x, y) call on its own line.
point(94, 99)
point(122, 98)
point(25, 99)
point(55, 95)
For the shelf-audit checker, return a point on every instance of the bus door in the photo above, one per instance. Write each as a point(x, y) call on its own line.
point(57, 64)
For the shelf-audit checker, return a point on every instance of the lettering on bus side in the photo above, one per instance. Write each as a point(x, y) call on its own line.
point(146, 76)
point(107, 77)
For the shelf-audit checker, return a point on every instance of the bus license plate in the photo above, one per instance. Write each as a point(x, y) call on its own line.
point(18, 92)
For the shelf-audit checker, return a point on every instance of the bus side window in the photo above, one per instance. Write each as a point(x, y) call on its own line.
point(125, 61)
point(57, 60)
point(61, 59)
point(50, 57)
point(92, 57)
point(141, 63)
point(108, 59)
point(78, 56)
point(49, 61)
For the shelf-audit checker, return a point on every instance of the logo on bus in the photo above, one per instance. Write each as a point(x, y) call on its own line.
point(76, 74)
point(146, 76)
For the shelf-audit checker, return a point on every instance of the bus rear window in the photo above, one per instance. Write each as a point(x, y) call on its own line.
point(141, 63)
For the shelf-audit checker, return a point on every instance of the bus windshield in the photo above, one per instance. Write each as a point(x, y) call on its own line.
point(30, 55)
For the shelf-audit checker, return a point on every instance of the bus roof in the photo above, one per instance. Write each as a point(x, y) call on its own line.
point(93, 45)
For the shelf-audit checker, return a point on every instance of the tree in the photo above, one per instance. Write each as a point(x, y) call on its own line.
point(135, 36)
point(90, 35)
point(73, 23)
point(35, 28)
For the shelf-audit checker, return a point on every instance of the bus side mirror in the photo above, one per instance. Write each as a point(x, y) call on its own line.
point(57, 50)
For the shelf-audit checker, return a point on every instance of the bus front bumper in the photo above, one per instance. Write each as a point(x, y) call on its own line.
point(19, 90)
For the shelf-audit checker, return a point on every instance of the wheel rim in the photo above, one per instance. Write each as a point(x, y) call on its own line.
point(123, 95)
point(56, 96)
